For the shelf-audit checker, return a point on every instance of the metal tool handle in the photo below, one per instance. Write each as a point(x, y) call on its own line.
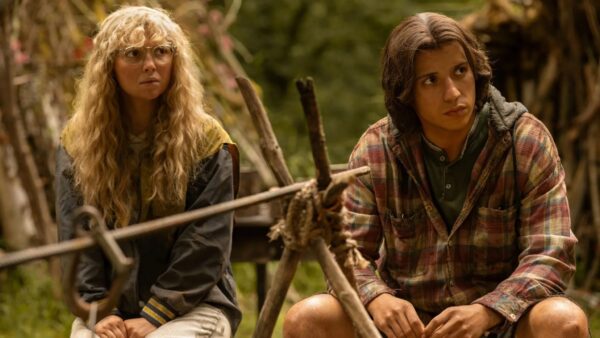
point(120, 263)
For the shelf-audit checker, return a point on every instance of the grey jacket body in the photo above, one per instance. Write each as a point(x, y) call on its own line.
point(174, 270)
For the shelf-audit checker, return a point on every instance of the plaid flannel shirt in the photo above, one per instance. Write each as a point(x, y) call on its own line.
point(485, 258)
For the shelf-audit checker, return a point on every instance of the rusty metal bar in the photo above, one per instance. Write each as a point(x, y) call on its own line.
point(78, 244)
point(120, 263)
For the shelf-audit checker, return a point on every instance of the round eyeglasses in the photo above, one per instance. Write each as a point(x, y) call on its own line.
point(135, 55)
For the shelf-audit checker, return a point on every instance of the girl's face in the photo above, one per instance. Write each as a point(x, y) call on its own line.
point(144, 73)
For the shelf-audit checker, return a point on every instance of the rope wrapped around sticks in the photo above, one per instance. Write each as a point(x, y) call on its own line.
point(312, 213)
point(299, 226)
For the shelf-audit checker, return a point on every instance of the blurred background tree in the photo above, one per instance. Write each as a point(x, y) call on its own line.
point(336, 42)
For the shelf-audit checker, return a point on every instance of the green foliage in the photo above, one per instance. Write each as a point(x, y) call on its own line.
point(336, 42)
point(28, 307)
point(308, 281)
point(245, 277)
point(595, 324)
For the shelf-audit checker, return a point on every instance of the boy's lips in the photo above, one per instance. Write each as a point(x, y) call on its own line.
point(456, 110)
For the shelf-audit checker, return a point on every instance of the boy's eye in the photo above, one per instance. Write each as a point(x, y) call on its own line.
point(460, 70)
point(429, 80)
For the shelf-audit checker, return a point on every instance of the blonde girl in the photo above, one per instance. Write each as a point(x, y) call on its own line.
point(140, 146)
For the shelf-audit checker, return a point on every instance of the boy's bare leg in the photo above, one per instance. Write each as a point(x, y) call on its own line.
point(320, 316)
point(553, 317)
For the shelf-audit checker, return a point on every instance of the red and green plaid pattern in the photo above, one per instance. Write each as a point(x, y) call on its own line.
point(484, 259)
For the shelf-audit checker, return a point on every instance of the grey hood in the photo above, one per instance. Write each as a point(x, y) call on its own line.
point(503, 114)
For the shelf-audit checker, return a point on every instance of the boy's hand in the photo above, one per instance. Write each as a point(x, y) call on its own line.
point(396, 317)
point(464, 321)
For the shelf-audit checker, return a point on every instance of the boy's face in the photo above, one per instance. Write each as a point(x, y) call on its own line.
point(444, 92)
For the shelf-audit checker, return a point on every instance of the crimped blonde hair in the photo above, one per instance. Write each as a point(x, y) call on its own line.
point(103, 172)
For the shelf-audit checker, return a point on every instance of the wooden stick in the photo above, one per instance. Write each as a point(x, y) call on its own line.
point(286, 269)
point(315, 130)
point(268, 140)
point(333, 271)
point(319, 151)
point(592, 19)
point(578, 190)
point(582, 121)
point(158, 224)
point(288, 264)
point(347, 296)
point(595, 203)
point(28, 173)
point(289, 260)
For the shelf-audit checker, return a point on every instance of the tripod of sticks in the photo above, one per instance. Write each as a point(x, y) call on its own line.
point(328, 201)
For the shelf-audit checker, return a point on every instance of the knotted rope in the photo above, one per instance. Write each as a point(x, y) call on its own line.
point(312, 213)
point(299, 227)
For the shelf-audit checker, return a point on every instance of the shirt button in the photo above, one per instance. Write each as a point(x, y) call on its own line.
point(512, 316)
point(442, 158)
point(451, 283)
point(448, 186)
point(141, 304)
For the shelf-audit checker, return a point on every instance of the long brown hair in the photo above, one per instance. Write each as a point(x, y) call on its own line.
point(425, 31)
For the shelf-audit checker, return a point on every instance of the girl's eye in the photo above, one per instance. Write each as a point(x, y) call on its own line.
point(160, 50)
point(133, 53)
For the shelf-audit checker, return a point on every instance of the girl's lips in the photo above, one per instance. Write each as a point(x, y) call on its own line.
point(150, 83)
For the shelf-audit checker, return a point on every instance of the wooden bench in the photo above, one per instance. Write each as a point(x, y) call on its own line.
point(250, 233)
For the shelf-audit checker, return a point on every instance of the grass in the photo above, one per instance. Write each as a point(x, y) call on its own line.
point(307, 281)
point(595, 324)
point(29, 306)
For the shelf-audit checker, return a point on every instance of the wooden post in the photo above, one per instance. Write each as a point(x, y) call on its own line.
point(13, 124)
point(289, 260)
point(268, 141)
point(315, 131)
point(344, 291)
point(595, 202)
point(342, 287)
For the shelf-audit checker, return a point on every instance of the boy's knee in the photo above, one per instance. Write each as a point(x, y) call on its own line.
point(301, 317)
point(560, 316)
point(314, 317)
point(292, 324)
